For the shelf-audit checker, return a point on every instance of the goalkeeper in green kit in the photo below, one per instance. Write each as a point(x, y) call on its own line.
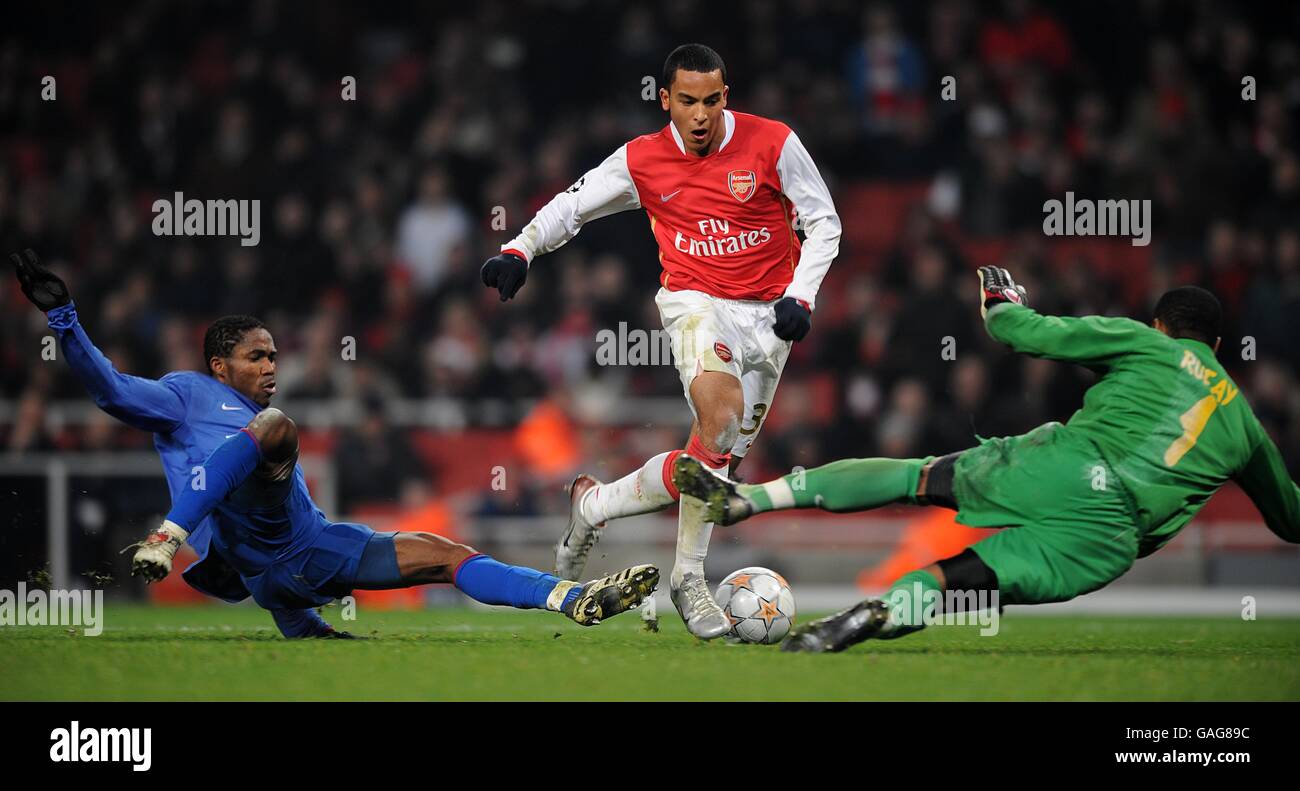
point(1159, 433)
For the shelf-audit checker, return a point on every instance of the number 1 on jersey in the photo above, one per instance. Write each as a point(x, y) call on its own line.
point(1193, 422)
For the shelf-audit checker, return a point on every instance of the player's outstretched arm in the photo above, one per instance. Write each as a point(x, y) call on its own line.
point(803, 185)
point(604, 190)
point(1090, 340)
point(1266, 481)
point(145, 404)
point(270, 437)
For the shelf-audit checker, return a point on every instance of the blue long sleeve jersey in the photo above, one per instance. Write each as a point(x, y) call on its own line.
point(189, 414)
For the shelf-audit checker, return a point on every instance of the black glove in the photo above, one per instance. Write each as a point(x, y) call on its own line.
point(997, 287)
point(44, 288)
point(506, 273)
point(793, 320)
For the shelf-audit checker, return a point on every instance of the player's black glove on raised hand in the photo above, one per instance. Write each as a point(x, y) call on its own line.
point(996, 287)
point(44, 288)
point(506, 273)
point(793, 320)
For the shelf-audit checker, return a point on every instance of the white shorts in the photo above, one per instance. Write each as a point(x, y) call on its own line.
point(731, 336)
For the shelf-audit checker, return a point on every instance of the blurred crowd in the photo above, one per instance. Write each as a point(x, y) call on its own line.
point(377, 212)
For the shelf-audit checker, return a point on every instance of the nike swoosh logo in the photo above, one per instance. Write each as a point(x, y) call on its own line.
point(230, 408)
point(668, 197)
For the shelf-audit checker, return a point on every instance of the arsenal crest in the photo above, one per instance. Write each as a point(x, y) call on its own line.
point(742, 184)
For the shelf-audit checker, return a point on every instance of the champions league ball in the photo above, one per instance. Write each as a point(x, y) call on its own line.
point(759, 603)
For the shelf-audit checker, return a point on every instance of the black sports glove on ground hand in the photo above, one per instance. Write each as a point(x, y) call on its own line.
point(997, 287)
point(44, 288)
point(506, 273)
point(793, 320)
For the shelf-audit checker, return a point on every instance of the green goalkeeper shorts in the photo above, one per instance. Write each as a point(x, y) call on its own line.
point(1070, 523)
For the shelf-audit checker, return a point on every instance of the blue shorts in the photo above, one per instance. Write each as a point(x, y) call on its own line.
point(344, 557)
point(378, 568)
point(266, 518)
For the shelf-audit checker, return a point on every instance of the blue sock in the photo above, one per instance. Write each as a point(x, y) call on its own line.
point(490, 581)
point(223, 471)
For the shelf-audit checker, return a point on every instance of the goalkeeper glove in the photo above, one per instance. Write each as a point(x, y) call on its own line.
point(793, 319)
point(44, 288)
point(153, 556)
point(997, 287)
point(506, 273)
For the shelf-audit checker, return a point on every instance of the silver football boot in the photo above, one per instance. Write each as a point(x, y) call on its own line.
point(581, 536)
point(703, 617)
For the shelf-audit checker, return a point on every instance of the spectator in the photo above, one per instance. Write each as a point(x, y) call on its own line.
point(372, 460)
point(430, 229)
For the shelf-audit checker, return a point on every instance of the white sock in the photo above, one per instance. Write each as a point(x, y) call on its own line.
point(692, 536)
point(638, 492)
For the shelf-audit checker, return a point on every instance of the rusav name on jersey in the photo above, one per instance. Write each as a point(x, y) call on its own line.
point(94, 745)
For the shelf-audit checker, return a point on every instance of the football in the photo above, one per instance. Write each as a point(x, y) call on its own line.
point(759, 603)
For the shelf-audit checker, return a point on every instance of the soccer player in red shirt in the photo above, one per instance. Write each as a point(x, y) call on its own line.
point(723, 192)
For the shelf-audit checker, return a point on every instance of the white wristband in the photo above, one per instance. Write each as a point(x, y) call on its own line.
point(174, 530)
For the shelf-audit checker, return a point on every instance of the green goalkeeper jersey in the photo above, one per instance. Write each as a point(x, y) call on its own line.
point(1165, 416)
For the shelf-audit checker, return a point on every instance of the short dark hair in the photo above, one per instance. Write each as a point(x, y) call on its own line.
point(692, 57)
point(1191, 312)
point(224, 335)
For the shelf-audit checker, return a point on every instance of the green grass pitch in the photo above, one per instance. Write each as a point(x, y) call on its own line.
point(234, 653)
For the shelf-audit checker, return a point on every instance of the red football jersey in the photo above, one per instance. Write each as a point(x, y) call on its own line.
point(721, 222)
point(724, 223)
